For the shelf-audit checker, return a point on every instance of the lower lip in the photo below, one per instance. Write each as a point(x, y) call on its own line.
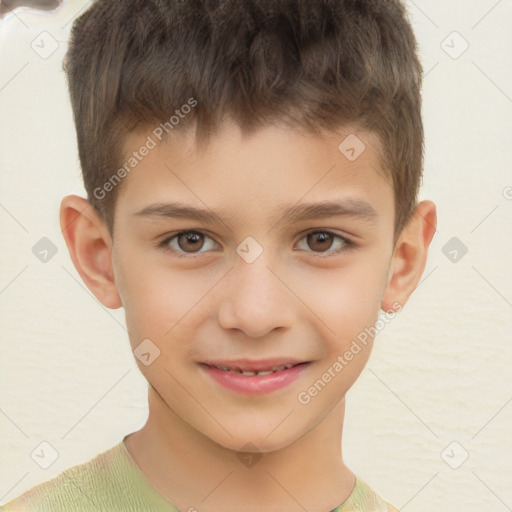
point(255, 384)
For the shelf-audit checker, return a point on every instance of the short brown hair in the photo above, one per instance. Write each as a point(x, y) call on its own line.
point(314, 64)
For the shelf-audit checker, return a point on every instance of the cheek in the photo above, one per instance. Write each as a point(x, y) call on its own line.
point(158, 300)
point(346, 301)
point(348, 305)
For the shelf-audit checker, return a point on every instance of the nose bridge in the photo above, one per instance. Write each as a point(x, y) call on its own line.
point(256, 301)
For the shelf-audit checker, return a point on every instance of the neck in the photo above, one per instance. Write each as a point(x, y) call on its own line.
point(192, 471)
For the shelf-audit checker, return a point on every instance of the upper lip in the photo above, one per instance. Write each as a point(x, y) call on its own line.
point(261, 365)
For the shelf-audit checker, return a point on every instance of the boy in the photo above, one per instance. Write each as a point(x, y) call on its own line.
point(282, 139)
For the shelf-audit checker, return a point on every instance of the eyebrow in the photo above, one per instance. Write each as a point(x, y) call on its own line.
point(348, 207)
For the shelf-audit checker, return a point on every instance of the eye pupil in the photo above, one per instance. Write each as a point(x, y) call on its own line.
point(321, 238)
point(190, 237)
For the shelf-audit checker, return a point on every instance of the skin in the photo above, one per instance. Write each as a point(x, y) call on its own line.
point(293, 300)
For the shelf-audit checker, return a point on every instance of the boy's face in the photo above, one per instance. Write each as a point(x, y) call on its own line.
point(249, 285)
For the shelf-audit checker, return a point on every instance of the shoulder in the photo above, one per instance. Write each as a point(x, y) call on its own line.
point(74, 487)
point(364, 499)
point(108, 482)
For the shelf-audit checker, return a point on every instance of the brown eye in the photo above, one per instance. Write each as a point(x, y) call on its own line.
point(320, 241)
point(190, 241)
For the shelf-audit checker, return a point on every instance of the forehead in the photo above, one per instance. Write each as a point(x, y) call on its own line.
point(239, 176)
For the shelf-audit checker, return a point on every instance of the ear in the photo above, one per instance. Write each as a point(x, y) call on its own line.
point(410, 256)
point(89, 243)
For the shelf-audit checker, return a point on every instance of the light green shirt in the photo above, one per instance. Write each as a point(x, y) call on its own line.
point(112, 482)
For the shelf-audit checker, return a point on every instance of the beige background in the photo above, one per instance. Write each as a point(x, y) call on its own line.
point(440, 372)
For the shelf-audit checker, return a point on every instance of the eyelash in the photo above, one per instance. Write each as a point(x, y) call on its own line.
point(347, 244)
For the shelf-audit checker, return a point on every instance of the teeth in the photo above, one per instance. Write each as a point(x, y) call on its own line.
point(252, 374)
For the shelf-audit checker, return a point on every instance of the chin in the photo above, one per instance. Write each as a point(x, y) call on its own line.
point(256, 440)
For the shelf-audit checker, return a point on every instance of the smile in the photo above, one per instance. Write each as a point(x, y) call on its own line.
point(254, 378)
point(254, 373)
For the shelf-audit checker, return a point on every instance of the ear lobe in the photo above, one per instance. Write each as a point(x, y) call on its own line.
point(89, 244)
point(410, 256)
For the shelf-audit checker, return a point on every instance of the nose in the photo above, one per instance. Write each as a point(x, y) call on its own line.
point(255, 299)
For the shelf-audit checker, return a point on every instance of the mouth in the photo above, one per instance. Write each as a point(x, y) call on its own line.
point(255, 377)
point(259, 373)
